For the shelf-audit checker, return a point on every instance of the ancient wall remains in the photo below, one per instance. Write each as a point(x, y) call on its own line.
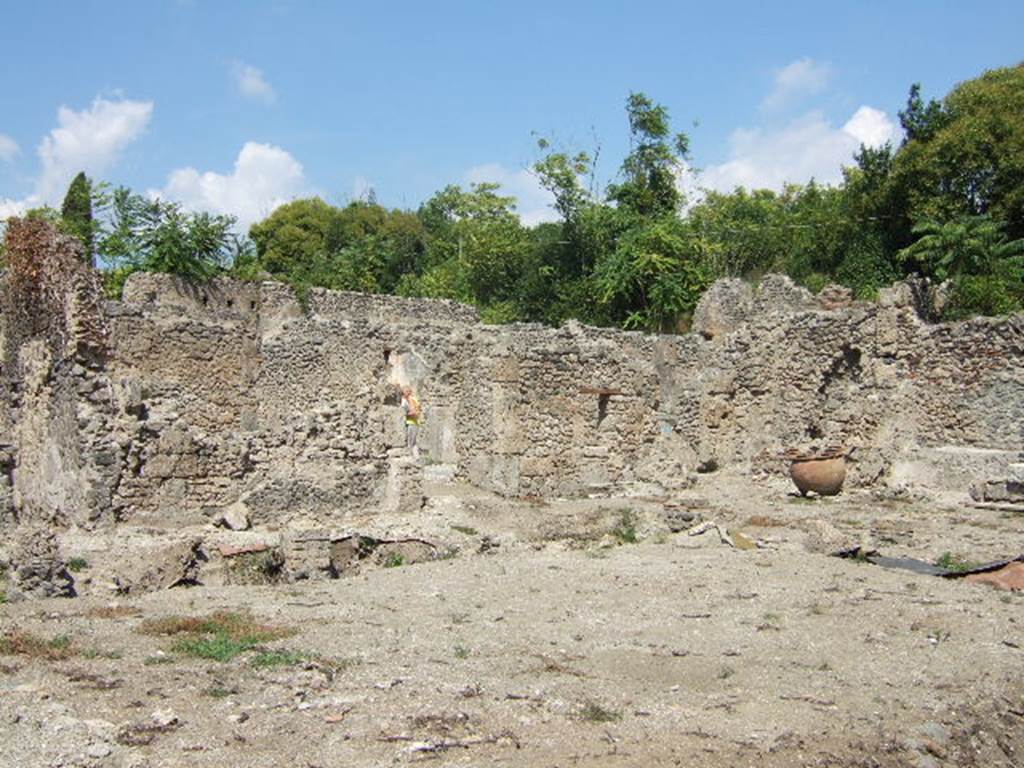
point(231, 396)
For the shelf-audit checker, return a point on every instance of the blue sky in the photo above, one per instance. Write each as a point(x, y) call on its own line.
point(235, 107)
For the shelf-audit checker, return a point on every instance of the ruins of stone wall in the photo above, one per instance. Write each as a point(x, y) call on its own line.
point(231, 395)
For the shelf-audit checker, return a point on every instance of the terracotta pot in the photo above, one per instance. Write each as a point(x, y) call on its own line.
point(824, 476)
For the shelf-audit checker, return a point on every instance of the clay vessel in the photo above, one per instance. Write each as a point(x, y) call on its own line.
point(823, 475)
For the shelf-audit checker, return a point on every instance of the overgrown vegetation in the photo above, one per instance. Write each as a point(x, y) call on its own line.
point(221, 636)
point(947, 203)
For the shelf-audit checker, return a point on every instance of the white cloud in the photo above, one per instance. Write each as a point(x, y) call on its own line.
point(805, 148)
point(871, 127)
point(534, 203)
point(263, 178)
point(252, 84)
point(803, 77)
point(10, 207)
point(8, 147)
point(91, 141)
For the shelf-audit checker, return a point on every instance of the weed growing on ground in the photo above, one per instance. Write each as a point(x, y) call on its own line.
point(217, 692)
point(955, 563)
point(76, 564)
point(625, 531)
point(936, 636)
point(282, 658)
point(20, 643)
point(467, 530)
point(162, 658)
point(461, 652)
point(221, 636)
point(592, 712)
point(394, 560)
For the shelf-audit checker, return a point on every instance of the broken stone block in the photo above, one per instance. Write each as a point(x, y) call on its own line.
point(680, 519)
point(235, 517)
point(255, 565)
point(162, 568)
point(36, 567)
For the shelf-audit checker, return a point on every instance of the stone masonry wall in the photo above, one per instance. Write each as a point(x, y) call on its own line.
point(229, 395)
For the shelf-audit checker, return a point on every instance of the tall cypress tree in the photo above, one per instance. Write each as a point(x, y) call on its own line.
point(76, 214)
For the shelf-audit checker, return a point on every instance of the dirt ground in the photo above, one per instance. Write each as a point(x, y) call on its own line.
point(552, 638)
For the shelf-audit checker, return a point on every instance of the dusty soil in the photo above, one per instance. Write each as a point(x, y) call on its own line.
point(565, 645)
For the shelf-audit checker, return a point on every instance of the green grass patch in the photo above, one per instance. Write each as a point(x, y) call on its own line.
point(76, 564)
point(215, 647)
point(394, 560)
point(283, 658)
point(220, 636)
point(465, 529)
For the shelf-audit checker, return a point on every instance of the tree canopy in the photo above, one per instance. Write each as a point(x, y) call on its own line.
point(947, 203)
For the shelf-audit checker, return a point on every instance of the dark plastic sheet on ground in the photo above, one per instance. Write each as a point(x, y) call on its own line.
point(922, 566)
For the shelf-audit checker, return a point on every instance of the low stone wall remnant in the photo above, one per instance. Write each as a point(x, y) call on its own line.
point(229, 398)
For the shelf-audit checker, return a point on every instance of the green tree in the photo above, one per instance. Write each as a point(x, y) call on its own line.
point(626, 258)
point(77, 216)
point(653, 277)
point(159, 236)
point(969, 245)
point(650, 171)
point(920, 121)
point(361, 247)
point(476, 248)
point(966, 157)
point(292, 241)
